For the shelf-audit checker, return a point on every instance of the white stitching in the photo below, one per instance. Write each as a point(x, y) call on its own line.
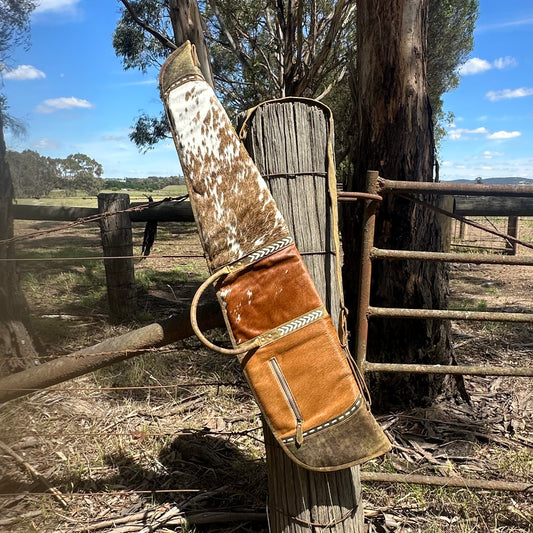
point(331, 422)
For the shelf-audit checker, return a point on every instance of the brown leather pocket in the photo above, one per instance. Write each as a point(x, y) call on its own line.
point(268, 293)
point(315, 371)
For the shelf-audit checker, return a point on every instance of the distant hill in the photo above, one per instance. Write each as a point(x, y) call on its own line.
point(498, 181)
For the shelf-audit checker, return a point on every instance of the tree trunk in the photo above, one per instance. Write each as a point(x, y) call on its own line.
point(288, 141)
point(17, 350)
point(395, 137)
point(188, 25)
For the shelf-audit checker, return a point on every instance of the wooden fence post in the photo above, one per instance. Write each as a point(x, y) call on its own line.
point(117, 241)
point(288, 141)
point(512, 230)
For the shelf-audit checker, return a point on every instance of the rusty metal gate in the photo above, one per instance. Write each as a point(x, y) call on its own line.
point(376, 188)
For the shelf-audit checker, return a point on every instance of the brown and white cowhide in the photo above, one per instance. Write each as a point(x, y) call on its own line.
point(234, 209)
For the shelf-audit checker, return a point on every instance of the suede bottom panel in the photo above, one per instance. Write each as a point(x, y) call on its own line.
point(356, 440)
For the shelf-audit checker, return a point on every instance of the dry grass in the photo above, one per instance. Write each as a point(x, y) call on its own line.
point(190, 435)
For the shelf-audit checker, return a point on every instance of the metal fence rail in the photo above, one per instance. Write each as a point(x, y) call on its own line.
point(376, 188)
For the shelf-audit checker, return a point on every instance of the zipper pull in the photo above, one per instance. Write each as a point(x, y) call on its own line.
point(299, 433)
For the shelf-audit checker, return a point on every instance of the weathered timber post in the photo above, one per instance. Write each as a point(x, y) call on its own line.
point(462, 230)
point(117, 242)
point(288, 140)
point(512, 231)
point(446, 203)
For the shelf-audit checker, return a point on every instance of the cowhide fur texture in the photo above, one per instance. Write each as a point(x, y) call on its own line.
point(237, 214)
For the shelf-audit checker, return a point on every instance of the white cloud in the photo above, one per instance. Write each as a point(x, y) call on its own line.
point(494, 96)
point(505, 62)
point(55, 5)
point(152, 81)
point(519, 22)
point(460, 133)
point(44, 144)
point(473, 168)
point(504, 135)
point(55, 104)
point(476, 65)
point(24, 72)
point(116, 138)
point(489, 155)
point(457, 134)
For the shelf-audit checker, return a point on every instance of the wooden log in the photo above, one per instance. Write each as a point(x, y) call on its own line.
point(445, 222)
point(117, 240)
point(493, 206)
point(288, 141)
point(512, 231)
point(108, 352)
point(170, 211)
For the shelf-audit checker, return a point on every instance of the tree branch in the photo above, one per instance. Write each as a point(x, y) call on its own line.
point(163, 39)
point(237, 50)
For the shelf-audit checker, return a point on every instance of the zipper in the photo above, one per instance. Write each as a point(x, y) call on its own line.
point(280, 377)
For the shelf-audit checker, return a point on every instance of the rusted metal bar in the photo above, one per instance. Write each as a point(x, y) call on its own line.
point(455, 481)
point(449, 314)
point(472, 189)
point(347, 196)
point(367, 243)
point(107, 352)
point(478, 259)
point(467, 370)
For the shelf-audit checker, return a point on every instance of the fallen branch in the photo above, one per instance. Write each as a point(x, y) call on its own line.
point(144, 522)
point(20, 517)
point(34, 473)
point(107, 352)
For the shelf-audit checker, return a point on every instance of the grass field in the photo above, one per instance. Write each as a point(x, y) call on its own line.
point(179, 427)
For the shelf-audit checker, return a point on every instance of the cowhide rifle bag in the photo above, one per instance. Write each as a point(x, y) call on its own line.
point(310, 394)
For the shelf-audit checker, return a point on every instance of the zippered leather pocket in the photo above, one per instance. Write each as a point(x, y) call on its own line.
point(289, 396)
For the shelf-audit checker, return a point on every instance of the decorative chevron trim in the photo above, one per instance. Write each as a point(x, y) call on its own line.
point(331, 422)
point(301, 322)
point(285, 329)
point(260, 254)
point(181, 81)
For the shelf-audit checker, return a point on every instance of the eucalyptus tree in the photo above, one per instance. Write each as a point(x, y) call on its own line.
point(395, 137)
point(259, 49)
point(382, 65)
point(17, 347)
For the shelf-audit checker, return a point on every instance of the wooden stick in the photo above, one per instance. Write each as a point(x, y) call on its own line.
point(15, 519)
point(55, 492)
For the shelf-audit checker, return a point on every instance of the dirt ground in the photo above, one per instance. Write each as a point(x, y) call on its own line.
point(175, 432)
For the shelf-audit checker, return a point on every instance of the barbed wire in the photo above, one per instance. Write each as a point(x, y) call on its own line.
point(89, 219)
point(100, 258)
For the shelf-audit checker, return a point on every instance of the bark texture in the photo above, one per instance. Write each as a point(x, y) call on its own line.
point(395, 137)
point(188, 25)
point(17, 350)
point(288, 141)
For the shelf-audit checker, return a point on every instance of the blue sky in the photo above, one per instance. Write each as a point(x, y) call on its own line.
point(74, 96)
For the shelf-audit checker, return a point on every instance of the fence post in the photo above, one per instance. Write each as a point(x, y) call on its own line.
point(117, 241)
point(288, 141)
point(512, 231)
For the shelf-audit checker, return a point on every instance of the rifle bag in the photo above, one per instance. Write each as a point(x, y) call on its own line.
point(308, 389)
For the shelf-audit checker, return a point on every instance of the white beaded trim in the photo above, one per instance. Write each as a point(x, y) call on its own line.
point(331, 422)
point(260, 254)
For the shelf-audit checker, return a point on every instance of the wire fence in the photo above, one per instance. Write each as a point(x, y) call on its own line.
point(147, 447)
